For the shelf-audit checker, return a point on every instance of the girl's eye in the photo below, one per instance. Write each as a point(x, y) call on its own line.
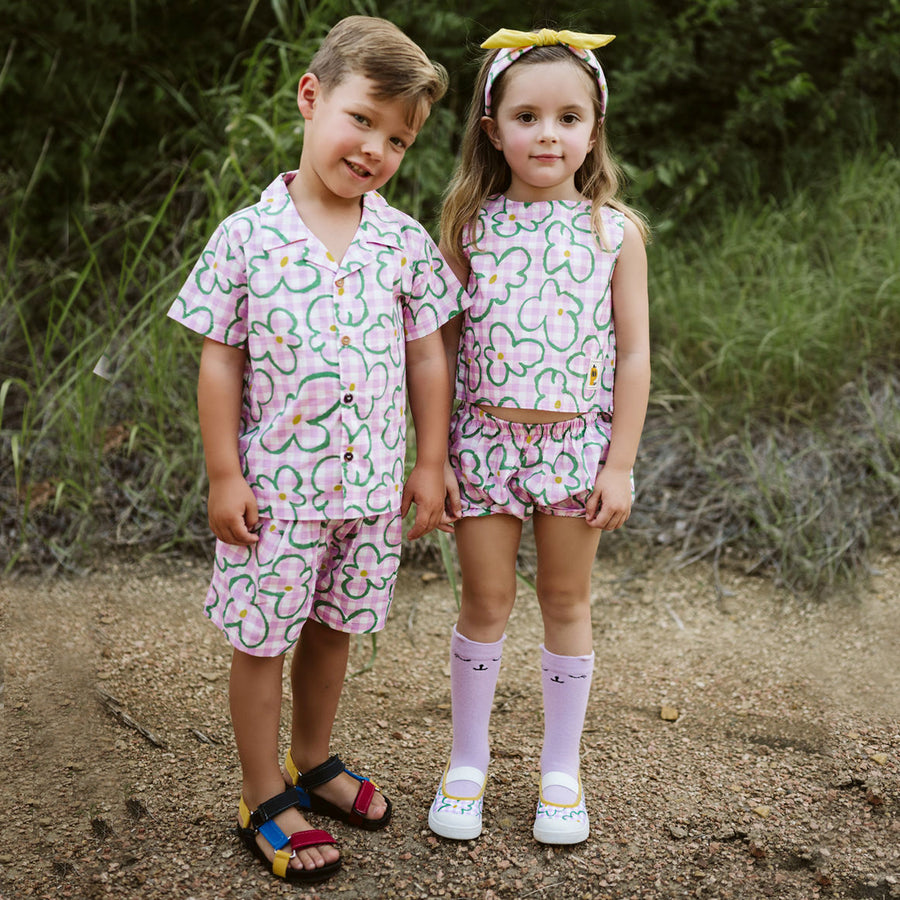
point(570, 119)
point(526, 117)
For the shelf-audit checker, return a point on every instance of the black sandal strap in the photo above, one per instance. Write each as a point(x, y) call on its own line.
point(273, 806)
point(321, 774)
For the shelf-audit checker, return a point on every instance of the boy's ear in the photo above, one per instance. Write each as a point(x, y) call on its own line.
point(308, 92)
point(489, 127)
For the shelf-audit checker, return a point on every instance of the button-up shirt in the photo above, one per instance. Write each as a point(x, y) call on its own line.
point(323, 424)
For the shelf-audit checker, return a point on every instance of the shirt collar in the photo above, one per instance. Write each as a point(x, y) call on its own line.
point(379, 225)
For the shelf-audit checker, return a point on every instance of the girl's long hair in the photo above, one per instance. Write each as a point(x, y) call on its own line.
point(482, 169)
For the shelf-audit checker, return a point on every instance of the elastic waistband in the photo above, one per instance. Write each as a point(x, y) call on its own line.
point(554, 429)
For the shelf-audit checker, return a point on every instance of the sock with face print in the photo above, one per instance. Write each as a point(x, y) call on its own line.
point(474, 668)
point(566, 682)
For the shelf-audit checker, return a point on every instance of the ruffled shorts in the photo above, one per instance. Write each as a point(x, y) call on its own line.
point(339, 573)
point(519, 469)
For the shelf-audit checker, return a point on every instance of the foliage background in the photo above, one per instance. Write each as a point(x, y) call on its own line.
point(760, 139)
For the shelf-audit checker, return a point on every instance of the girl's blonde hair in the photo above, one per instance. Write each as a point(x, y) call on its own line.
point(482, 169)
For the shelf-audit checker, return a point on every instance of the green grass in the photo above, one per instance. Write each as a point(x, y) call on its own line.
point(766, 313)
point(774, 426)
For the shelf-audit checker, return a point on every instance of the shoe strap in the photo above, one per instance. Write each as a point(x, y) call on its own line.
point(272, 807)
point(465, 773)
point(312, 837)
point(331, 768)
point(560, 779)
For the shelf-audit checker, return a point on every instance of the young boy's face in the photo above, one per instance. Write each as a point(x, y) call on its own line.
point(352, 142)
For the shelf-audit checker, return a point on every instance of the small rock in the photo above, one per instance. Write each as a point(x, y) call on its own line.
point(678, 832)
point(763, 811)
point(668, 714)
point(878, 758)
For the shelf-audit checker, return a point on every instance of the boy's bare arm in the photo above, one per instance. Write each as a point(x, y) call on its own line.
point(428, 385)
point(232, 505)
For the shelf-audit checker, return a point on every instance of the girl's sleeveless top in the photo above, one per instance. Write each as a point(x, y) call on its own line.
point(540, 331)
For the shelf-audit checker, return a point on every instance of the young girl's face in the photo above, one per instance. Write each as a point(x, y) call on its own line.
point(545, 126)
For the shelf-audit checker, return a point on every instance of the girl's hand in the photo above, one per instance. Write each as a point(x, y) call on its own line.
point(232, 510)
point(609, 504)
point(425, 488)
point(452, 505)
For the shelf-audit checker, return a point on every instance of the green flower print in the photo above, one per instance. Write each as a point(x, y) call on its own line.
point(276, 340)
point(358, 446)
point(303, 431)
point(569, 250)
point(507, 356)
point(506, 222)
point(555, 479)
point(363, 620)
point(384, 338)
point(209, 278)
point(498, 277)
point(552, 393)
point(386, 494)
point(242, 615)
point(322, 328)
point(289, 581)
point(368, 385)
point(296, 276)
point(286, 484)
point(555, 312)
point(394, 432)
point(360, 580)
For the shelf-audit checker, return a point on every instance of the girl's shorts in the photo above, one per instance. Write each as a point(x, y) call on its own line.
point(518, 469)
point(339, 573)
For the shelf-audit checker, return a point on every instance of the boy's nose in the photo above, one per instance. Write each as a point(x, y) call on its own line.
point(373, 148)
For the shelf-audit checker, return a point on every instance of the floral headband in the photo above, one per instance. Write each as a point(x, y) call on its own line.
point(513, 44)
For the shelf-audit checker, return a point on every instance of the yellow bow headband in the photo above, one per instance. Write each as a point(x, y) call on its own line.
point(512, 44)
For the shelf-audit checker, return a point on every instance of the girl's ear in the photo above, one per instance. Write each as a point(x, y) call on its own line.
point(307, 93)
point(489, 127)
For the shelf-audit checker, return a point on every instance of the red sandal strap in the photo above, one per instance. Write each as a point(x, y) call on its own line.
point(311, 838)
point(362, 802)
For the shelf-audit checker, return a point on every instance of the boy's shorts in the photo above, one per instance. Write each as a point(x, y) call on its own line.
point(518, 469)
point(340, 573)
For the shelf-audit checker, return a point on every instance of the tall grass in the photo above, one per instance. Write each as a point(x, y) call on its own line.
point(765, 314)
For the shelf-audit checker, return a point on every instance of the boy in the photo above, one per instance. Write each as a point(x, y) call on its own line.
point(314, 303)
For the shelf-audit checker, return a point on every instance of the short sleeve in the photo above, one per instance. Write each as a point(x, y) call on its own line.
point(435, 295)
point(213, 300)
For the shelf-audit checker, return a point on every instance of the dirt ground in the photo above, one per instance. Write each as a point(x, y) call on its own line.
point(780, 776)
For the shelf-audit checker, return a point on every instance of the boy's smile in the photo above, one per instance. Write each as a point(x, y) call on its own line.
point(353, 141)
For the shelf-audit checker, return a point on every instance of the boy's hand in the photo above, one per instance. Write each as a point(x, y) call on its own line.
point(232, 511)
point(609, 504)
point(425, 488)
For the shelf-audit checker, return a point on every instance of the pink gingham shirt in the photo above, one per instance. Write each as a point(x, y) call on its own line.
point(323, 424)
point(540, 333)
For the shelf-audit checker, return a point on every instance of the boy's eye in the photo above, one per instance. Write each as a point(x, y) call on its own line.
point(361, 119)
point(399, 143)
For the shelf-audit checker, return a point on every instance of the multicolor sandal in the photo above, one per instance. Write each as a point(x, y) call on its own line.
point(331, 768)
point(261, 821)
point(557, 824)
point(458, 818)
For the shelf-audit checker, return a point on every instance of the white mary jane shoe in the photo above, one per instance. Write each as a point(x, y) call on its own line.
point(458, 818)
point(555, 824)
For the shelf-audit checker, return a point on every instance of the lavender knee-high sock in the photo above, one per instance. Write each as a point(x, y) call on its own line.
point(474, 668)
point(566, 682)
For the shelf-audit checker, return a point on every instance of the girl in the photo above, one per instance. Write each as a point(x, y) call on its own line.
point(552, 368)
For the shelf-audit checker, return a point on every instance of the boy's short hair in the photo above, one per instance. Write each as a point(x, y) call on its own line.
point(379, 50)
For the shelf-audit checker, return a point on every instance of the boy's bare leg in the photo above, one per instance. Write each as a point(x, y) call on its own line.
point(255, 697)
point(317, 679)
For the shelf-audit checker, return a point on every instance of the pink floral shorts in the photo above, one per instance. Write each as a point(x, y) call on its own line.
point(519, 469)
point(339, 573)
